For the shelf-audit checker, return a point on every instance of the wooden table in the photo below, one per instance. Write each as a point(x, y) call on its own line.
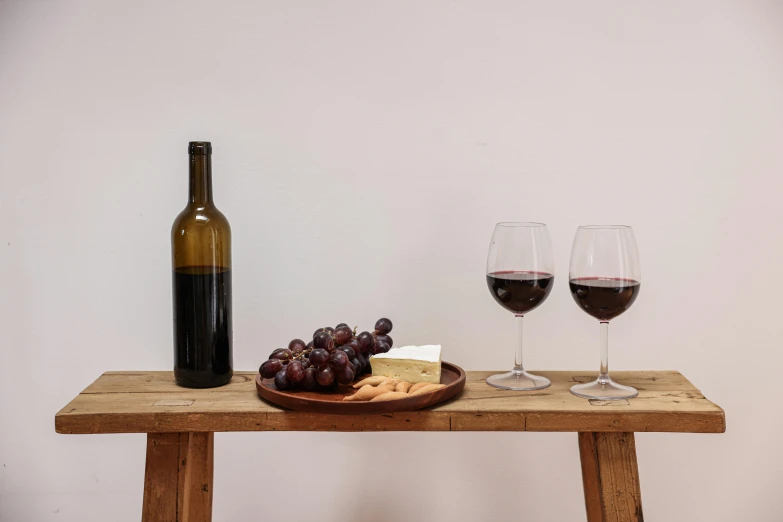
point(180, 425)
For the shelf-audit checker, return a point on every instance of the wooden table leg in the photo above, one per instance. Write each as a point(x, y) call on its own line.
point(611, 477)
point(178, 477)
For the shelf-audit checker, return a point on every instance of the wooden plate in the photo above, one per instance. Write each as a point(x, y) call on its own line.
point(332, 402)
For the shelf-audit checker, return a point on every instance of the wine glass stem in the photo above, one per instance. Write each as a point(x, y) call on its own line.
point(603, 377)
point(518, 356)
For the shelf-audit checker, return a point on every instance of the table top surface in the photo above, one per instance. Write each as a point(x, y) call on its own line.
point(150, 402)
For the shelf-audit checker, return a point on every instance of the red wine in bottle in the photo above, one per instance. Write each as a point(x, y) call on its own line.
point(201, 261)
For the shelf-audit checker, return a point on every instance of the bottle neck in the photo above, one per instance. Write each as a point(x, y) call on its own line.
point(200, 179)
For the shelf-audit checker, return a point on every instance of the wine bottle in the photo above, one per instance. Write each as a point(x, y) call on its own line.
point(201, 260)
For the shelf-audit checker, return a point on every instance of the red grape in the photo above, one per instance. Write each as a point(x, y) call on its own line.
point(384, 338)
point(334, 355)
point(283, 354)
point(269, 368)
point(338, 360)
point(342, 335)
point(297, 346)
point(294, 371)
point(319, 357)
point(348, 351)
point(324, 376)
point(345, 375)
point(365, 341)
point(383, 326)
point(281, 381)
point(308, 381)
point(323, 340)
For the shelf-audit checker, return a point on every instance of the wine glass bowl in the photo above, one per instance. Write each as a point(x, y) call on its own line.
point(604, 278)
point(520, 276)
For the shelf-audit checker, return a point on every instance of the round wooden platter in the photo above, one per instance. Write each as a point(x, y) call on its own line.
point(332, 402)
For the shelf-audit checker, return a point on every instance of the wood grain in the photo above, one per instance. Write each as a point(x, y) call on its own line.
point(150, 402)
point(610, 476)
point(161, 477)
point(178, 477)
point(196, 486)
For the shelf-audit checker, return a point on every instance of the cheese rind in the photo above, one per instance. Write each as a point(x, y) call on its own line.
point(409, 363)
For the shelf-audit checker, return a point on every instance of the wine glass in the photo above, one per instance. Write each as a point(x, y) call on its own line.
point(520, 275)
point(604, 277)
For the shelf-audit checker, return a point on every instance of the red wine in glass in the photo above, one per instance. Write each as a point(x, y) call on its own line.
point(519, 276)
point(604, 297)
point(604, 278)
point(519, 291)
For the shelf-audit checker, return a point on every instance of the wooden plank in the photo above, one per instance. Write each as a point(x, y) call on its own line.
point(196, 487)
point(610, 476)
point(138, 402)
point(161, 475)
point(178, 477)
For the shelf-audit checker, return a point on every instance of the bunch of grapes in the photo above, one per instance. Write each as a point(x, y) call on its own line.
point(334, 356)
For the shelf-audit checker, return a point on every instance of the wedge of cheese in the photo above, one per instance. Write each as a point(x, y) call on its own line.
point(409, 363)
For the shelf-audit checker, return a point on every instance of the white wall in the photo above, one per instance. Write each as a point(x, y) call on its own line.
point(363, 152)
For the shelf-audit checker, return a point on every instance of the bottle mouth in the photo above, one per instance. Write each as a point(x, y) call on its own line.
point(200, 147)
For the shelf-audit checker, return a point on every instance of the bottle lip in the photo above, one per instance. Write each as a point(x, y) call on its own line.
point(200, 147)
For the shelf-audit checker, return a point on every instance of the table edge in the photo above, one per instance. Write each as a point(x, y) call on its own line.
point(431, 421)
point(421, 421)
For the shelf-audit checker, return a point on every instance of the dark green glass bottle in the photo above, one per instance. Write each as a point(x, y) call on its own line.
point(201, 261)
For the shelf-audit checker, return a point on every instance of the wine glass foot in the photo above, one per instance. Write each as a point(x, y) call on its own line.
point(518, 380)
point(604, 390)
